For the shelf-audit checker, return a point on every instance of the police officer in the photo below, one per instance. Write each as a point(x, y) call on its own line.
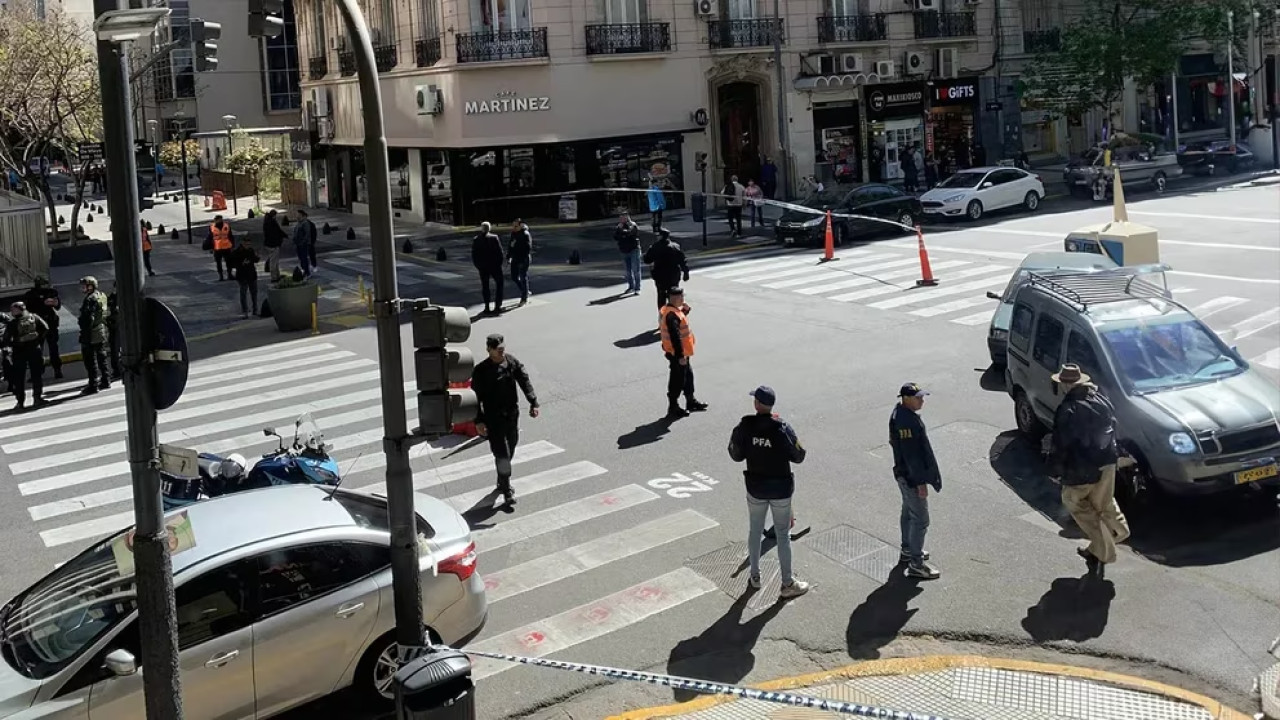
point(677, 344)
point(669, 265)
point(769, 446)
point(25, 333)
point(494, 382)
point(94, 314)
point(915, 469)
point(221, 240)
point(44, 301)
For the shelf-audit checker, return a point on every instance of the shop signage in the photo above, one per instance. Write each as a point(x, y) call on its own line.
point(956, 92)
point(995, 106)
point(896, 100)
point(507, 102)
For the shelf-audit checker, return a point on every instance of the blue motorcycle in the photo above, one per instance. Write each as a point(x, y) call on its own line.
point(305, 461)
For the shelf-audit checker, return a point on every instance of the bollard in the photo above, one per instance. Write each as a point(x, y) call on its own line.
point(407, 248)
point(148, 225)
point(575, 258)
point(161, 230)
point(89, 217)
point(174, 235)
point(249, 214)
point(360, 286)
point(326, 229)
point(441, 255)
point(368, 299)
point(315, 318)
point(62, 220)
point(926, 270)
point(829, 242)
point(436, 686)
point(351, 233)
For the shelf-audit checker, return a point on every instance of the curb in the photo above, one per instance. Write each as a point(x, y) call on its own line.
point(934, 663)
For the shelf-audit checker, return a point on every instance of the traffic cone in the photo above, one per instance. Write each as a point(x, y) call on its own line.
point(926, 271)
point(829, 242)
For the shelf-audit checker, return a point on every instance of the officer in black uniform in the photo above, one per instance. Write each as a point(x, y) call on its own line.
point(25, 333)
point(44, 301)
point(914, 468)
point(668, 263)
point(769, 446)
point(494, 382)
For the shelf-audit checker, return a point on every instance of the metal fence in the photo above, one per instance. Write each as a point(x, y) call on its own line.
point(24, 248)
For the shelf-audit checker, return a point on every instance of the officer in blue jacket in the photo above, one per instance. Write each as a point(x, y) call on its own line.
point(915, 469)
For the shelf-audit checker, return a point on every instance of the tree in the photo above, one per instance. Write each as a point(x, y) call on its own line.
point(49, 96)
point(171, 152)
point(253, 159)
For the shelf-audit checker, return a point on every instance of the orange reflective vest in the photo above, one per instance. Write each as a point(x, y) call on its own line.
point(687, 340)
point(221, 237)
point(146, 241)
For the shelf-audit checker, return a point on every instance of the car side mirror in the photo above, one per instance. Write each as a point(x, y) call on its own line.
point(121, 663)
point(986, 185)
point(992, 295)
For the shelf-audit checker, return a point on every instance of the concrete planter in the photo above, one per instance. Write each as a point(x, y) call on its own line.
point(291, 306)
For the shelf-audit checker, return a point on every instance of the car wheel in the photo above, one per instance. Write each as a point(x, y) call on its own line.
point(1159, 182)
point(1134, 487)
point(1031, 201)
point(907, 219)
point(974, 211)
point(378, 667)
point(1025, 415)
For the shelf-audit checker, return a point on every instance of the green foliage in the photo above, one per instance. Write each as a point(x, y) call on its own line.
point(171, 153)
point(252, 158)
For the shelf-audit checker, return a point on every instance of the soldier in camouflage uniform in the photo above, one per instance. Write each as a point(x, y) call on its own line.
point(94, 313)
point(6, 355)
point(25, 333)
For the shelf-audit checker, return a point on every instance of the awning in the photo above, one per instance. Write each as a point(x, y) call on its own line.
point(820, 83)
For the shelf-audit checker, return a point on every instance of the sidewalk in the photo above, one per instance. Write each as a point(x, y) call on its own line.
point(961, 687)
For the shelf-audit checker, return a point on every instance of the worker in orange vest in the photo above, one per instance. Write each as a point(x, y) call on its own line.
point(220, 241)
point(677, 344)
point(146, 249)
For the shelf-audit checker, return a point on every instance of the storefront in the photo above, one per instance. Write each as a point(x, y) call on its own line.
point(837, 156)
point(952, 133)
point(895, 122)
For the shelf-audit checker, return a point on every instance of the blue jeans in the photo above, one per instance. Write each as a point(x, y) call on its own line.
point(914, 521)
point(781, 511)
point(631, 261)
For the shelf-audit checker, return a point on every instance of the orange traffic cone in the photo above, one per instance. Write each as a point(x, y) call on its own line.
point(829, 242)
point(926, 272)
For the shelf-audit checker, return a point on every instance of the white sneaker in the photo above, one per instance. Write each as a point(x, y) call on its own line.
point(754, 582)
point(794, 590)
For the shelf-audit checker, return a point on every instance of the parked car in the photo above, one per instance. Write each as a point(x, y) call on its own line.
point(1138, 165)
point(972, 193)
point(885, 202)
point(283, 596)
point(1212, 157)
point(1194, 417)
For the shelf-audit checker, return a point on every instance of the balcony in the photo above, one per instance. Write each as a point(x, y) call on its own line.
point(1041, 41)
point(932, 24)
point(317, 67)
point(427, 51)
point(727, 34)
point(346, 63)
point(385, 57)
point(493, 45)
point(628, 38)
point(852, 28)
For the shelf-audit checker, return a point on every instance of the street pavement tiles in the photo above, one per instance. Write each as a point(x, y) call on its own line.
point(574, 517)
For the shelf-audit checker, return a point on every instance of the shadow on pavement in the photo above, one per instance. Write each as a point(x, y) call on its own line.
point(644, 434)
point(1075, 609)
point(992, 379)
point(641, 339)
point(1020, 467)
point(721, 653)
point(610, 299)
point(881, 616)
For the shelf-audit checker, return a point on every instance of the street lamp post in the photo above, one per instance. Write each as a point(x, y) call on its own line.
point(230, 122)
point(780, 99)
point(1275, 91)
point(1231, 76)
point(182, 144)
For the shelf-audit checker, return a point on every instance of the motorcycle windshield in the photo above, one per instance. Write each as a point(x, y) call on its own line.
point(307, 433)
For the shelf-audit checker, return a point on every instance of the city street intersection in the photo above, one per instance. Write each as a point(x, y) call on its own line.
point(627, 548)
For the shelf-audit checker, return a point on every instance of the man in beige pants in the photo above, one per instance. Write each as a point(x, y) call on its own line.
point(1083, 461)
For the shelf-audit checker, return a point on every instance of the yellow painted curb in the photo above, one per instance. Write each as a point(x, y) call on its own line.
point(936, 663)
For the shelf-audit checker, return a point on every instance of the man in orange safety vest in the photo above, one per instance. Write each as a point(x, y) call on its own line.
point(678, 343)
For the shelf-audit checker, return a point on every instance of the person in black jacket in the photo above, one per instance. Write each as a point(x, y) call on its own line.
point(914, 468)
point(519, 255)
point(627, 235)
point(24, 333)
point(487, 257)
point(243, 263)
point(668, 265)
point(769, 446)
point(273, 238)
point(45, 302)
point(1083, 460)
point(494, 381)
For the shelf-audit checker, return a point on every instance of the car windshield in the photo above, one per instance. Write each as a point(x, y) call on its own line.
point(826, 198)
point(1163, 354)
point(963, 180)
point(48, 626)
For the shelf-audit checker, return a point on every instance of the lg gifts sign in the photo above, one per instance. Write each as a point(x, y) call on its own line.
point(959, 92)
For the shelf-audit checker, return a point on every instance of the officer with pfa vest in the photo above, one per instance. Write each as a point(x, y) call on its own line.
point(25, 333)
point(677, 343)
point(221, 241)
point(94, 313)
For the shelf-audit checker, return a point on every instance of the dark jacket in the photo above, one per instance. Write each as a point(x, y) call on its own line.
point(495, 387)
point(34, 299)
point(304, 233)
point(520, 251)
point(243, 263)
point(24, 334)
point(769, 446)
point(668, 262)
point(1084, 437)
point(486, 251)
point(628, 238)
point(93, 318)
point(913, 459)
point(273, 235)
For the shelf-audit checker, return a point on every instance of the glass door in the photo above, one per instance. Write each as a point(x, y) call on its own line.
point(625, 12)
point(500, 15)
point(742, 9)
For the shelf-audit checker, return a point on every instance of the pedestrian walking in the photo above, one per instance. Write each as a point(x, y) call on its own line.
point(627, 235)
point(273, 237)
point(495, 381)
point(769, 446)
point(915, 469)
point(487, 256)
point(678, 344)
point(519, 255)
point(146, 249)
point(754, 196)
point(244, 261)
point(909, 176)
point(657, 203)
point(304, 242)
point(220, 240)
point(736, 197)
point(667, 265)
point(94, 313)
point(44, 301)
point(769, 178)
point(930, 171)
point(1082, 460)
point(24, 333)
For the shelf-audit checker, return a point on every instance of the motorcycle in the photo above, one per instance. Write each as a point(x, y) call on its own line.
point(305, 461)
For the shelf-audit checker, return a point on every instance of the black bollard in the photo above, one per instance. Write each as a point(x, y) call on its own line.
point(80, 230)
point(249, 214)
point(575, 258)
point(441, 255)
point(174, 234)
point(148, 225)
point(161, 230)
point(407, 248)
point(61, 220)
point(351, 233)
point(89, 218)
point(326, 229)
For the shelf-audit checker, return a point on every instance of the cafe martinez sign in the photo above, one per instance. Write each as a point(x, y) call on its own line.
point(507, 102)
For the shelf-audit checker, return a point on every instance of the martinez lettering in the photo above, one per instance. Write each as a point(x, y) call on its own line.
point(506, 105)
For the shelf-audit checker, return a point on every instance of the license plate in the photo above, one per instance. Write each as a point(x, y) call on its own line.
point(1256, 474)
point(932, 211)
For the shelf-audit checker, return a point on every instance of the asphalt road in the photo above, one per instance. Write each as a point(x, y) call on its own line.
point(661, 587)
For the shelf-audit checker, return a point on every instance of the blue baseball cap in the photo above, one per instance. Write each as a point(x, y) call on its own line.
point(764, 395)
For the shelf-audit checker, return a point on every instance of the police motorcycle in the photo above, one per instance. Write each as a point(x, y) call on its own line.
point(305, 461)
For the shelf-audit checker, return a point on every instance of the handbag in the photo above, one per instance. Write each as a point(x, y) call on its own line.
point(208, 244)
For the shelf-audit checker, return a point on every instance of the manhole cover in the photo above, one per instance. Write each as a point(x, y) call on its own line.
point(857, 551)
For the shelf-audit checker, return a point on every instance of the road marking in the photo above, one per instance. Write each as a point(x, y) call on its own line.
point(466, 468)
point(596, 553)
point(709, 261)
point(559, 517)
point(816, 266)
point(1216, 305)
point(442, 274)
point(890, 289)
point(735, 270)
point(1270, 359)
point(989, 254)
point(925, 295)
point(829, 275)
point(1182, 291)
point(1231, 218)
point(535, 483)
point(953, 306)
point(1257, 323)
point(1221, 246)
point(1232, 278)
point(981, 318)
point(591, 621)
point(879, 277)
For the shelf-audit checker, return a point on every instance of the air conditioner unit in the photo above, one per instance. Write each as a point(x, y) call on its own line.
point(945, 67)
point(706, 8)
point(817, 64)
point(926, 4)
point(885, 69)
point(325, 130)
point(429, 99)
point(913, 63)
point(850, 63)
point(320, 102)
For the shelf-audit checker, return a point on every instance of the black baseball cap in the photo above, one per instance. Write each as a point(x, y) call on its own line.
point(912, 390)
point(765, 395)
point(495, 341)
point(675, 291)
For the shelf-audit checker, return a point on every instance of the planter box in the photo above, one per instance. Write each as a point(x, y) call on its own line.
point(291, 306)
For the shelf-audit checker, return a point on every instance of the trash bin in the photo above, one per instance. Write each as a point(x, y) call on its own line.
point(699, 207)
point(437, 686)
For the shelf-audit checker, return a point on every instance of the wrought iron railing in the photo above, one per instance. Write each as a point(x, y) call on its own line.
point(628, 38)
point(933, 24)
point(385, 57)
point(852, 28)
point(1038, 41)
point(346, 63)
point(427, 51)
point(724, 34)
point(491, 45)
point(317, 67)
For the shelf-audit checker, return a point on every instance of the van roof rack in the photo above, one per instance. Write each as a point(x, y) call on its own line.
point(1083, 289)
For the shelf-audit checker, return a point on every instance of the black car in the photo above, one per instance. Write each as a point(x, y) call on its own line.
point(1212, 157)
point(883, 202)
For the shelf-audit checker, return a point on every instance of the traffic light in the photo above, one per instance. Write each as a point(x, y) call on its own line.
point(436, 364)
point(266, 18)
point(204, 44)
point(700, 161)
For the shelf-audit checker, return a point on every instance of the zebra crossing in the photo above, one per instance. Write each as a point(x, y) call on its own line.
point(575, 516)
point(883, 278)
point(342, 269)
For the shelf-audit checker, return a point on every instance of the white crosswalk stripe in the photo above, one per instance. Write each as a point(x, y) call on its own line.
point(1257, 323)
point(918, 293)
point(978, 318)
point(1206, 310)
point(1270, 359)
point(953, 306)
point(933, 293)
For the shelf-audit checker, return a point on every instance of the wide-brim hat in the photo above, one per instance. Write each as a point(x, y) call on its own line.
point(1070, 374)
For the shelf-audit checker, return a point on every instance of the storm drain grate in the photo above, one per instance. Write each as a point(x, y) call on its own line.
point(857, 551)
point(727, 568)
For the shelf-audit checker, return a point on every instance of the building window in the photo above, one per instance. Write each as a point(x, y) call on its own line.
point(429, 15)
point(624, 12)
point(281, 66)
point(398, 162)
point(318, 36)
point(499, 15)
point(181, 59)
point(742, 9)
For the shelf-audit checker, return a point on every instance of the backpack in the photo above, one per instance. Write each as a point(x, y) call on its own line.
point(1100, 433)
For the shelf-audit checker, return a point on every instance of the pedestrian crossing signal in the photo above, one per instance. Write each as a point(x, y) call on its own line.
point(436, 364)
